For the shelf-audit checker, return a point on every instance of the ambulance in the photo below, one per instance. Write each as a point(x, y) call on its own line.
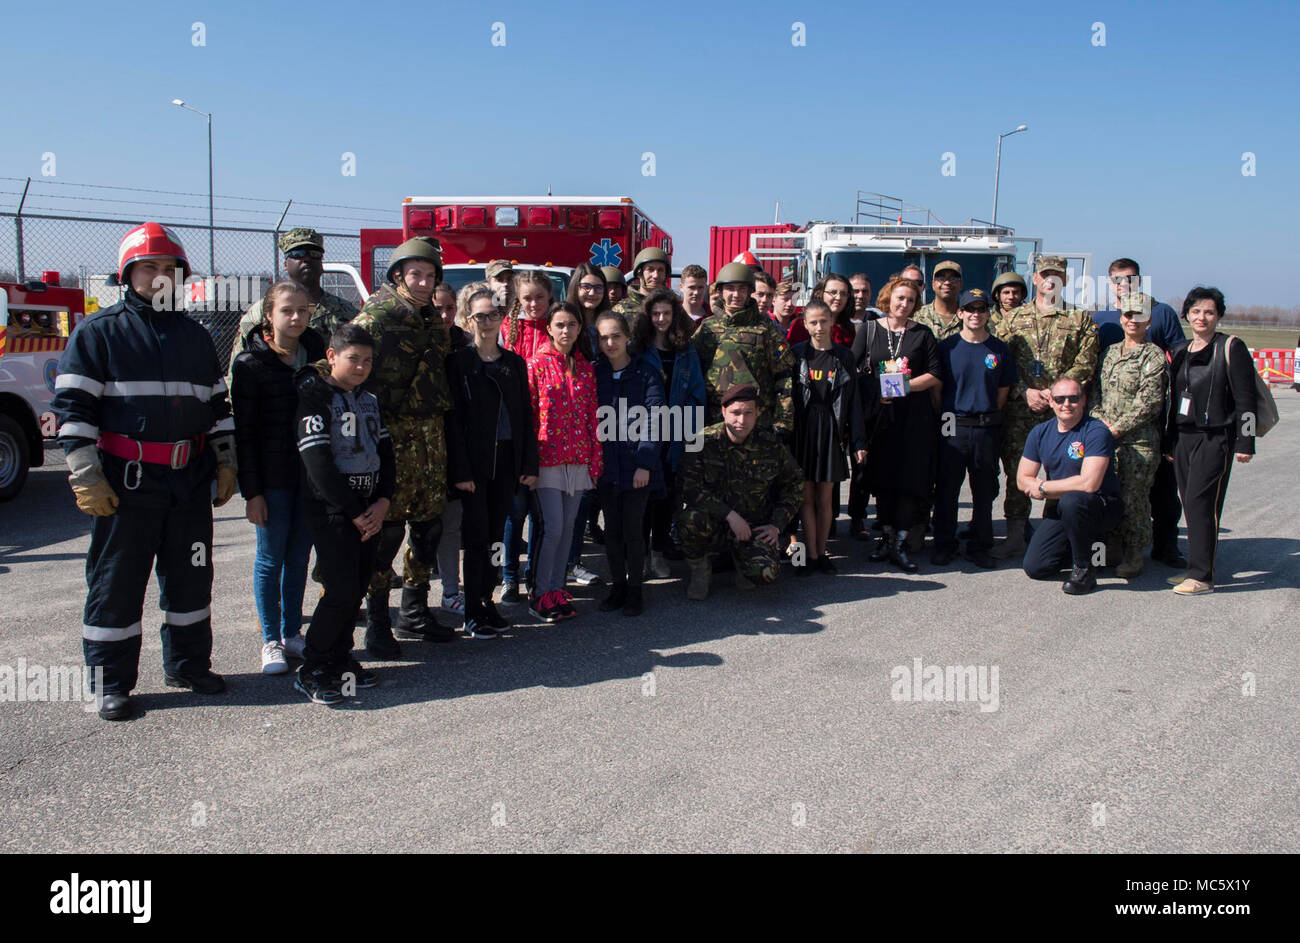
point(36, 320)
point(552, 233)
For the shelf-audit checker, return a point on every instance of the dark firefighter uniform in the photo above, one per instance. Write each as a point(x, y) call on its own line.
point(142, 407)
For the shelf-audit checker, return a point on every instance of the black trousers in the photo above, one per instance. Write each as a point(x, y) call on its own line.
point(659, 516)
point(900, 510)
point(1071, 531)
point(176, 543)
point(859, 493)
point(973, 451)
point(346, 565)
point(624, 539)
point(482, 530)
point(1166, 508)
point(1203, 464)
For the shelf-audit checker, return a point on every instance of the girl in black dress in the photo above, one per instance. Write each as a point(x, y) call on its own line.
point(827, 424)
point(903, 448)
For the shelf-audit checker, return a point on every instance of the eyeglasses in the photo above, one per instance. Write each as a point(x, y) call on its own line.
point(1072, 398)
point(305, 254)
point(483, 318)
point(588, 286)
point(947, 277)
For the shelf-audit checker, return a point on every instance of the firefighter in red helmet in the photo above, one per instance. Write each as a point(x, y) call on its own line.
point(145, 423)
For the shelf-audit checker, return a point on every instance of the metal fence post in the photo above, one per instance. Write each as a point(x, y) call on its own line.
point(18, 234)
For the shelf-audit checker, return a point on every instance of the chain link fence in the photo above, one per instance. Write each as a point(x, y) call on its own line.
point(83, 250)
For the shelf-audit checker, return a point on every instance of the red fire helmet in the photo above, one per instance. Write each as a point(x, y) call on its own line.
point(150, 241)
point(748, 258)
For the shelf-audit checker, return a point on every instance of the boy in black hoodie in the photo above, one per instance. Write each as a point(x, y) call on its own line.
point(348, 467)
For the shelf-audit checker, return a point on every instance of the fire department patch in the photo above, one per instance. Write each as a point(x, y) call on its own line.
point(51, 372)
point(1075, 450)
point(991, 361)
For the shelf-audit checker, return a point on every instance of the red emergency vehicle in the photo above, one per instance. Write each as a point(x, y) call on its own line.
point(555, 231)
point(36, 319)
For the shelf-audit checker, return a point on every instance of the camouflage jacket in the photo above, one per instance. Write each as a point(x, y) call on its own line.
point(408, 377)
point(1064, 341)
point(1133, 384)
point(630, 306)
point(747, 347)
point(758, 479)
point(939, 325)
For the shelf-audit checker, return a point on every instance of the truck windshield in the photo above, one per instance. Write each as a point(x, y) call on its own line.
point(460, 276)
point(978, 269)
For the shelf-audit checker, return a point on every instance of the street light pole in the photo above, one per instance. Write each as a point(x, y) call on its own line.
point(997, 172)
point(212, 253)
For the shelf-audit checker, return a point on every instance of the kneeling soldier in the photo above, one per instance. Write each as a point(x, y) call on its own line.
point(740, 490)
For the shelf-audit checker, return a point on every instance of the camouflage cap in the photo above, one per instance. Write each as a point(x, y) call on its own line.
point(497, 266)
point(1137, 305)
point(301, 236)
point(946, 266)
point(1050, 263)
point(741, 392)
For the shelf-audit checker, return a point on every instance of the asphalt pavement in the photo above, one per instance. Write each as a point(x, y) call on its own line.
point(1130, 720)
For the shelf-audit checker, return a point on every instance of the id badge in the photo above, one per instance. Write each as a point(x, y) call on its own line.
point(1036, 369)
point(1185, 407)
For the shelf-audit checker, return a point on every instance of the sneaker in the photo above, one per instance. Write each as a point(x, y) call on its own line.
point(544, 607)
point(583, 576)
point(1191, 587)
point(510, 593)
point(296, 647)
point(454, 604)
point(492, 617)
point(362, 677)
point(477, 629)
point(273, 662)
point(564, 602)
point(319, 687)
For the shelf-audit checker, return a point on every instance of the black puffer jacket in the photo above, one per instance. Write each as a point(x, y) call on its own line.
point(472, 421)
point(265, 406)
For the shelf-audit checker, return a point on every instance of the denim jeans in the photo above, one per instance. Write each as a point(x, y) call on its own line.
point(523, 505)
point(280, 567)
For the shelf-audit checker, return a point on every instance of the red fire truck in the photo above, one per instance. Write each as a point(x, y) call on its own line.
point(36, 319)
point(551, 232)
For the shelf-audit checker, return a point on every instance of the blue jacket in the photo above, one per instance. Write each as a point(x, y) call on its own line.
point(688, 392)
point(154, 377)
point(640, 385)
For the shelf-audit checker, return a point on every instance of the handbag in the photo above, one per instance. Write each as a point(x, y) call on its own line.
point(1266, 416)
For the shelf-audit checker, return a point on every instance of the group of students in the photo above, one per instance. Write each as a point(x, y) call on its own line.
point(508, 405)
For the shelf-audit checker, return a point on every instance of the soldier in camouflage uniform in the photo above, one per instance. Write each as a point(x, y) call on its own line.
point(303, 250)
point(1133, 381)
point(410, 382)
point(740, 491)
point(650, 271)
point(941, 315)
point(1009, 292)
point(739, 346)
point(1048, 342)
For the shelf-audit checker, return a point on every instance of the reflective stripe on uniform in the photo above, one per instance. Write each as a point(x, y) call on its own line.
point(219, 388)
point(81, 430)
point(223, 425)
point(101, 633)
point(186, 618)
point(73, 381)
point(158, 388)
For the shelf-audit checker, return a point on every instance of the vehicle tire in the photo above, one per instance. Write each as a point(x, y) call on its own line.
point(14, 458)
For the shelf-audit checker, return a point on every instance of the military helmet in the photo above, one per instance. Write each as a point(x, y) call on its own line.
point(735, 272)
point(650, 254)
point(426, 248)
point(613, 275)
point(1008, 278)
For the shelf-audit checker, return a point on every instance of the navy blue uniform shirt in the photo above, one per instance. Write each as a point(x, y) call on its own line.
point(973, 374)
point(1062, 453)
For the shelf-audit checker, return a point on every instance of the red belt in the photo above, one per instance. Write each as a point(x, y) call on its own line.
point(171, 454)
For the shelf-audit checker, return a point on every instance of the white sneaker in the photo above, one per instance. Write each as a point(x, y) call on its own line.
point(454, 604)
point(583, 576)
point(273, 662)
point(296, 647)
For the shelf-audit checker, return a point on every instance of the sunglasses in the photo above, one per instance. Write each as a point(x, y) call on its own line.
point(489, 316)
point(1073, 399)
point(305, 254)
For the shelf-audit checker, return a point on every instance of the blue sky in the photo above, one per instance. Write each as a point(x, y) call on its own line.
point(1134, 148)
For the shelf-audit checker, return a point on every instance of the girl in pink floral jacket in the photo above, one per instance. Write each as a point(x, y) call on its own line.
point(563, 387)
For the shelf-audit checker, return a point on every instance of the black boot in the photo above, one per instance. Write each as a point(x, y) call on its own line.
point(1082, 581)
point(635, 604)
point(416, 621)
point(882, 549)
point(898, 553)
point(616, 599)
point(379, 628)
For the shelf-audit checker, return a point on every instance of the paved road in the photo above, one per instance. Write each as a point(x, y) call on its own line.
point(761, 722)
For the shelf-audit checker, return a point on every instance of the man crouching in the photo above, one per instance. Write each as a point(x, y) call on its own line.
point(740, 490)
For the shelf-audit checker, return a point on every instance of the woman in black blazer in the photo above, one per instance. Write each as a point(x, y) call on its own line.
point(1212, 415)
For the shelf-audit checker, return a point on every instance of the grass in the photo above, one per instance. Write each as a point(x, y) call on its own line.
point(1257, 337)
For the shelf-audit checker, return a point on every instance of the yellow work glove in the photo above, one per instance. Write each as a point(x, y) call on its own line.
point(227, 482)
point(97, 498)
